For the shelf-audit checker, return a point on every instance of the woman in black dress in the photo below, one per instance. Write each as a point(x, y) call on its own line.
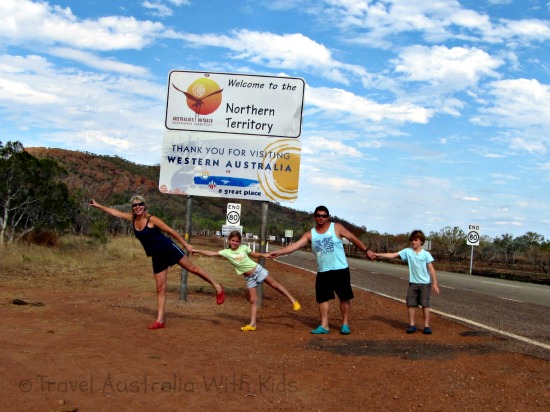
point(163, 251)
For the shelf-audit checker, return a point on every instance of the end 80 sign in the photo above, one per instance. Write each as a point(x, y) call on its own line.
point(472, 238)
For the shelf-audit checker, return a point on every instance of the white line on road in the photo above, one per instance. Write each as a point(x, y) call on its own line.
point(512, 300)
point(500, 284)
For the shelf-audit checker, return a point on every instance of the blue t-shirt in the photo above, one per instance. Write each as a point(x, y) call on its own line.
point(418, 265)
point(329, 250)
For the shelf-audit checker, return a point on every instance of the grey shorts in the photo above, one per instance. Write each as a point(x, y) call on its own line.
point(419, 295)
point(259, 275)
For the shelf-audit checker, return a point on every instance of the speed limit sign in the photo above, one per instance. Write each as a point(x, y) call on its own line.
point(233, 216)
point(472, 239)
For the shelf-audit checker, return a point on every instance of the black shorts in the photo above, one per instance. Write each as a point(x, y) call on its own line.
point(331, 281)
point(418, 294)
point(163, 259)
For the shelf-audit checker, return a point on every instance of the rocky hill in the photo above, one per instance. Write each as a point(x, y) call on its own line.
point(112, 180)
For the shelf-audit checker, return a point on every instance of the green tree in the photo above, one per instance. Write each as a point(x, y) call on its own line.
point(505, 247)
point(451, 239)
point(31, 195)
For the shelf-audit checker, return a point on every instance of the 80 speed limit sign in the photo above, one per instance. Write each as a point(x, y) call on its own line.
point(233, 215)
point(472, 239)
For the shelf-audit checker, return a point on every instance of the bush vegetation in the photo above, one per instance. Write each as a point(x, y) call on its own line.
point(46, 193)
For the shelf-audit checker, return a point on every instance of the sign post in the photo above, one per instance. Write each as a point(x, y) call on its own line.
point(472, 239)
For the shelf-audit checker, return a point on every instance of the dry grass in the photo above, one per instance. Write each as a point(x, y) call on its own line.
point(78, 263)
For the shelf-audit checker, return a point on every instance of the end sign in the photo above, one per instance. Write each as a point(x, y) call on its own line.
point(233, 216)
point(472, 238)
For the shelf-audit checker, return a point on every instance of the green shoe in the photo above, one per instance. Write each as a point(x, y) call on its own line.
point(345, 330)
point(320, 331)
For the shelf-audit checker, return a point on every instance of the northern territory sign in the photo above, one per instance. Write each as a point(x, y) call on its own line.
point(235, 103)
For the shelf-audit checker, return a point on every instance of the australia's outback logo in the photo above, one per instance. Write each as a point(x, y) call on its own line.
point(203, 97)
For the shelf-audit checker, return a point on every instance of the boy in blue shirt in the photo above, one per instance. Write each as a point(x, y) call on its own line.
point(421, 278)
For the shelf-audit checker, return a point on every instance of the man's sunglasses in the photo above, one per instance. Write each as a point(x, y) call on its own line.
point(320, 216)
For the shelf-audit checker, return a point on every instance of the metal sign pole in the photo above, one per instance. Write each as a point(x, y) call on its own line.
point(263, 237)
point(187, 238)
point(471, 259)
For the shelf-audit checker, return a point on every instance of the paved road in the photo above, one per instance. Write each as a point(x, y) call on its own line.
point(517, 311)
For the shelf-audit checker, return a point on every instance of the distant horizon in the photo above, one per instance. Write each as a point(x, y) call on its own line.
point(288, 205)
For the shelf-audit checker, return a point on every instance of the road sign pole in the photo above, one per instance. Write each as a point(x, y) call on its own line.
point(263, 237)
point(471, 259)
point(187, 238)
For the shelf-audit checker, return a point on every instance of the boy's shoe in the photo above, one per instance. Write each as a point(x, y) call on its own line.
point(296, 306)
point(427, 331)
point(320, 331)
point(248, 328)
point(411, 329)
point(345, 330)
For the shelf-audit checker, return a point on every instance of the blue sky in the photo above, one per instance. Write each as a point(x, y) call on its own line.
point(417, 113)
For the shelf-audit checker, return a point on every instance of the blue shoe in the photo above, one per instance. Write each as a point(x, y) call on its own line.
point(427, 331)
point(411, 329)
point(320, 331)
point(345, 330)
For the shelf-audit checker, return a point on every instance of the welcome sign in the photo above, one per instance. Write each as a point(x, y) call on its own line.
point(198, 164)
point(234, 104)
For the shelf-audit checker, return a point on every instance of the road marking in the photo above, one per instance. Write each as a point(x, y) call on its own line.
point(446, 287)
point(513, 300)
point(448, 315)
point(500, 284)
point(298, 267)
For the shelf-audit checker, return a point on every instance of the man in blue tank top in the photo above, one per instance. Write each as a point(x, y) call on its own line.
point(333, 274)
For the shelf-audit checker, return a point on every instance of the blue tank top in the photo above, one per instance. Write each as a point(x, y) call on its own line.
point(151, 239)
point(329, 250)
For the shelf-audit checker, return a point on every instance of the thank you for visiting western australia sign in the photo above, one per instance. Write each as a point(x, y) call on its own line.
point(234, 103)
point(226, 165)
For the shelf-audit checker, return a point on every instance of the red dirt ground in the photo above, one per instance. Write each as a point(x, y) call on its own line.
point(85, 347)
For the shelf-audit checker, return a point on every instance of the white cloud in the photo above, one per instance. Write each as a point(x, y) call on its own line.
point(531, 146)
point(376, 23)
point(27, 22)
point(21, 93)
point(91, 60)
point(82, 109)
point(528, 30)
point(339, 101)
point(157, 8)
point(518, 103)
point(286, 51)
point(327, 147)
point(454, 68)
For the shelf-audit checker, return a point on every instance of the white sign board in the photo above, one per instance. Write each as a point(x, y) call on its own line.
point(227, 229)
point(235, 103)
point(472, 238)
point(289, 233)
point(233, 216)
point(223, 165)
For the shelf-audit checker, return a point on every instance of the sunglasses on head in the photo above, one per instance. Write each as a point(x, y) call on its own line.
point(138, 204)
point(320, 216)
